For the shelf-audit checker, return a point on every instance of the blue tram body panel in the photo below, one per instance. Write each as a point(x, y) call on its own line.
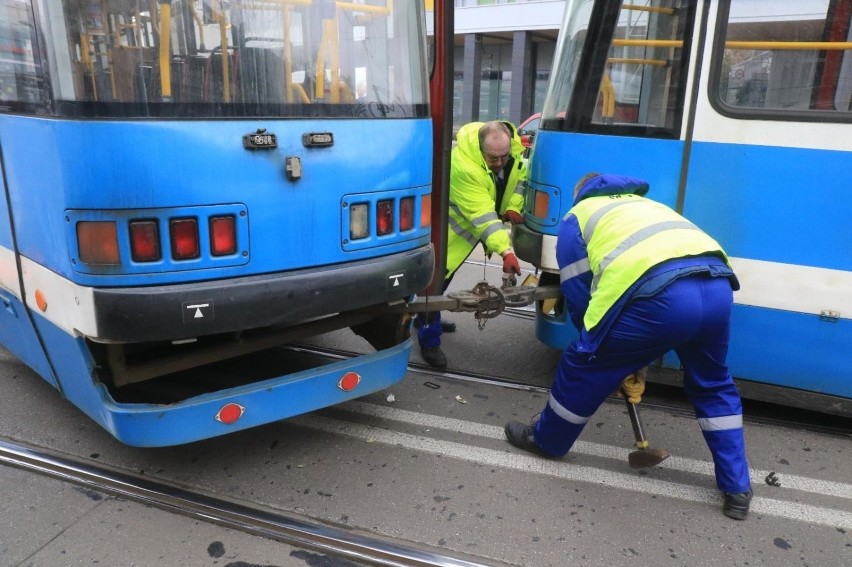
point(560, 159)
point(132, 170)
point(776, 204)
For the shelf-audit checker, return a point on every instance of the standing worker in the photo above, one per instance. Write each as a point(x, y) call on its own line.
point(640, 280)
point(486, 189)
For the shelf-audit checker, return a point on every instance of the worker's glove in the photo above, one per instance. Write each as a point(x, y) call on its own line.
point(510, 264)
point(513, 217)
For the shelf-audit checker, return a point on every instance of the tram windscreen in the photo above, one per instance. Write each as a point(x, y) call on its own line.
point(207, 58)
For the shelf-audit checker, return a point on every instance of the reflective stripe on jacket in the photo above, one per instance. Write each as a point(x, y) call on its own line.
point(473, 215)
point(625, 236)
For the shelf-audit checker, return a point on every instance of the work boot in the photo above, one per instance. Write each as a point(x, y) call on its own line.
point(521, 436)
point(448, 326)
point(434, 356)
point(736, 505)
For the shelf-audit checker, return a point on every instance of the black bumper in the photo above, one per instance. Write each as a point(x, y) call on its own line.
point(527, 244)
point(181, 311)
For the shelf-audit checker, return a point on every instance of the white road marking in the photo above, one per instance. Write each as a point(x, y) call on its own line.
point(695, 466)
point(564, 470)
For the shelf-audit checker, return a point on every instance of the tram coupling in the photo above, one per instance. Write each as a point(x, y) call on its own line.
point(484, 300)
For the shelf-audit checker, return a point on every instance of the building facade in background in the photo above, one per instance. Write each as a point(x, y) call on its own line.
point(508, 45)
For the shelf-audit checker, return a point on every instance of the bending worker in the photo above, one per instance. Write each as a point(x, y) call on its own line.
point(486, 189)
point(640, 280)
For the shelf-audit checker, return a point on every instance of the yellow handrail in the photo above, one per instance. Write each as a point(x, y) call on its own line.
point(635, 8)
point(790, 45)
point(656, 62)
point(165, 48)
point(648, 43)
point(736, 44)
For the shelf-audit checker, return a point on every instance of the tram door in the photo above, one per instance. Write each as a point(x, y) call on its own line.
point(619, 105)
point(616, 104)
point(16, 330)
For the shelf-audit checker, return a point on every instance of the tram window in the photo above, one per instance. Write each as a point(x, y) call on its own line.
point(19, 77)
point(785, 59)
point(642, 82)
point(621, 68)
point(210, 58)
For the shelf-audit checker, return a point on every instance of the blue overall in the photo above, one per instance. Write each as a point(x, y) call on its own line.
point(681, 303)
point(689, 312)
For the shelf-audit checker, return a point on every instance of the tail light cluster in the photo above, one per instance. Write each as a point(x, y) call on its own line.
point(98, 242)
point(391, 216)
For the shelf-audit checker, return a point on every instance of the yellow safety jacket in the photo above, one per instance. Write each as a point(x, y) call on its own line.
point(625, 236)
point(474, 215)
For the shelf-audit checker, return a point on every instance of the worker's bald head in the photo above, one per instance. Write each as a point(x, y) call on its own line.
point(495, 143)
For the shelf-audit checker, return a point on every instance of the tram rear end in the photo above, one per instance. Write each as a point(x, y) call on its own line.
point(187, 190)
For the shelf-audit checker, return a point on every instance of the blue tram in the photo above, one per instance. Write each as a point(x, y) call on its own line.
point(739, 114)
point(188, 183)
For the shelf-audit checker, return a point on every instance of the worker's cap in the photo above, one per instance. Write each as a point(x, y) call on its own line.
point(596, 184)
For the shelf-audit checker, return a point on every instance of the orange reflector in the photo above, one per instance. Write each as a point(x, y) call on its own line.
point(349, 381)
point(406, 213)
point(97, 242)
point(223, 236)
point(41, 300)
point(541, 204)
point(426, 211)
point(184, 234)
point(230, 413)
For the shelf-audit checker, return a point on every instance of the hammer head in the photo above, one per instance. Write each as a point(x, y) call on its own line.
point(645, 458)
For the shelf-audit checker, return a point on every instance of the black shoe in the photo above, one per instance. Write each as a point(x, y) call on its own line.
point(448, 326)
point(434, 356)
point(521, 436)
point(736, 505)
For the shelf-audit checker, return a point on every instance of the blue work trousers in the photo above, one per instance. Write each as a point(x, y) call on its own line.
point(690, 316)
point(428, 324)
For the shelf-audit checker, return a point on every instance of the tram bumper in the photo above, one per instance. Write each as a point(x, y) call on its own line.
point(534, 247)
point(183, 311)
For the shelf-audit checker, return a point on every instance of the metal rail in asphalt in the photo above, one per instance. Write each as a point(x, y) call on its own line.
point(297, 531)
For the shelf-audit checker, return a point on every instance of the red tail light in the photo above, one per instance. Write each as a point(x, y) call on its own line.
point(406, 213)
point(184, 233)
point(97, 242)
point(384, 217)
point(223, 236)
point(145, 241)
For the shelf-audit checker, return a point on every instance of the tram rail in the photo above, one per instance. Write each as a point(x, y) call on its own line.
point(299, 531)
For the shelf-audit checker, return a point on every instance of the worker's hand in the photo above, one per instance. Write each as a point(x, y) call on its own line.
point(510, 264)
point(513, 217)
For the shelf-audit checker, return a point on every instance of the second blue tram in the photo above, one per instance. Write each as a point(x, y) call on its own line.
point(186, 183)
point(739, 114)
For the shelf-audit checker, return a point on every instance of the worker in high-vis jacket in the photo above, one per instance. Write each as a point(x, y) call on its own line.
point(640, 280)
point(486, 189)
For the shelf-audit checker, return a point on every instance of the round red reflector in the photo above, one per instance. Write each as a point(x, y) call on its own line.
point(349, 381)
point(230, 413)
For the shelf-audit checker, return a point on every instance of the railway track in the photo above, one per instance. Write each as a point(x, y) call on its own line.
point(298, 531)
